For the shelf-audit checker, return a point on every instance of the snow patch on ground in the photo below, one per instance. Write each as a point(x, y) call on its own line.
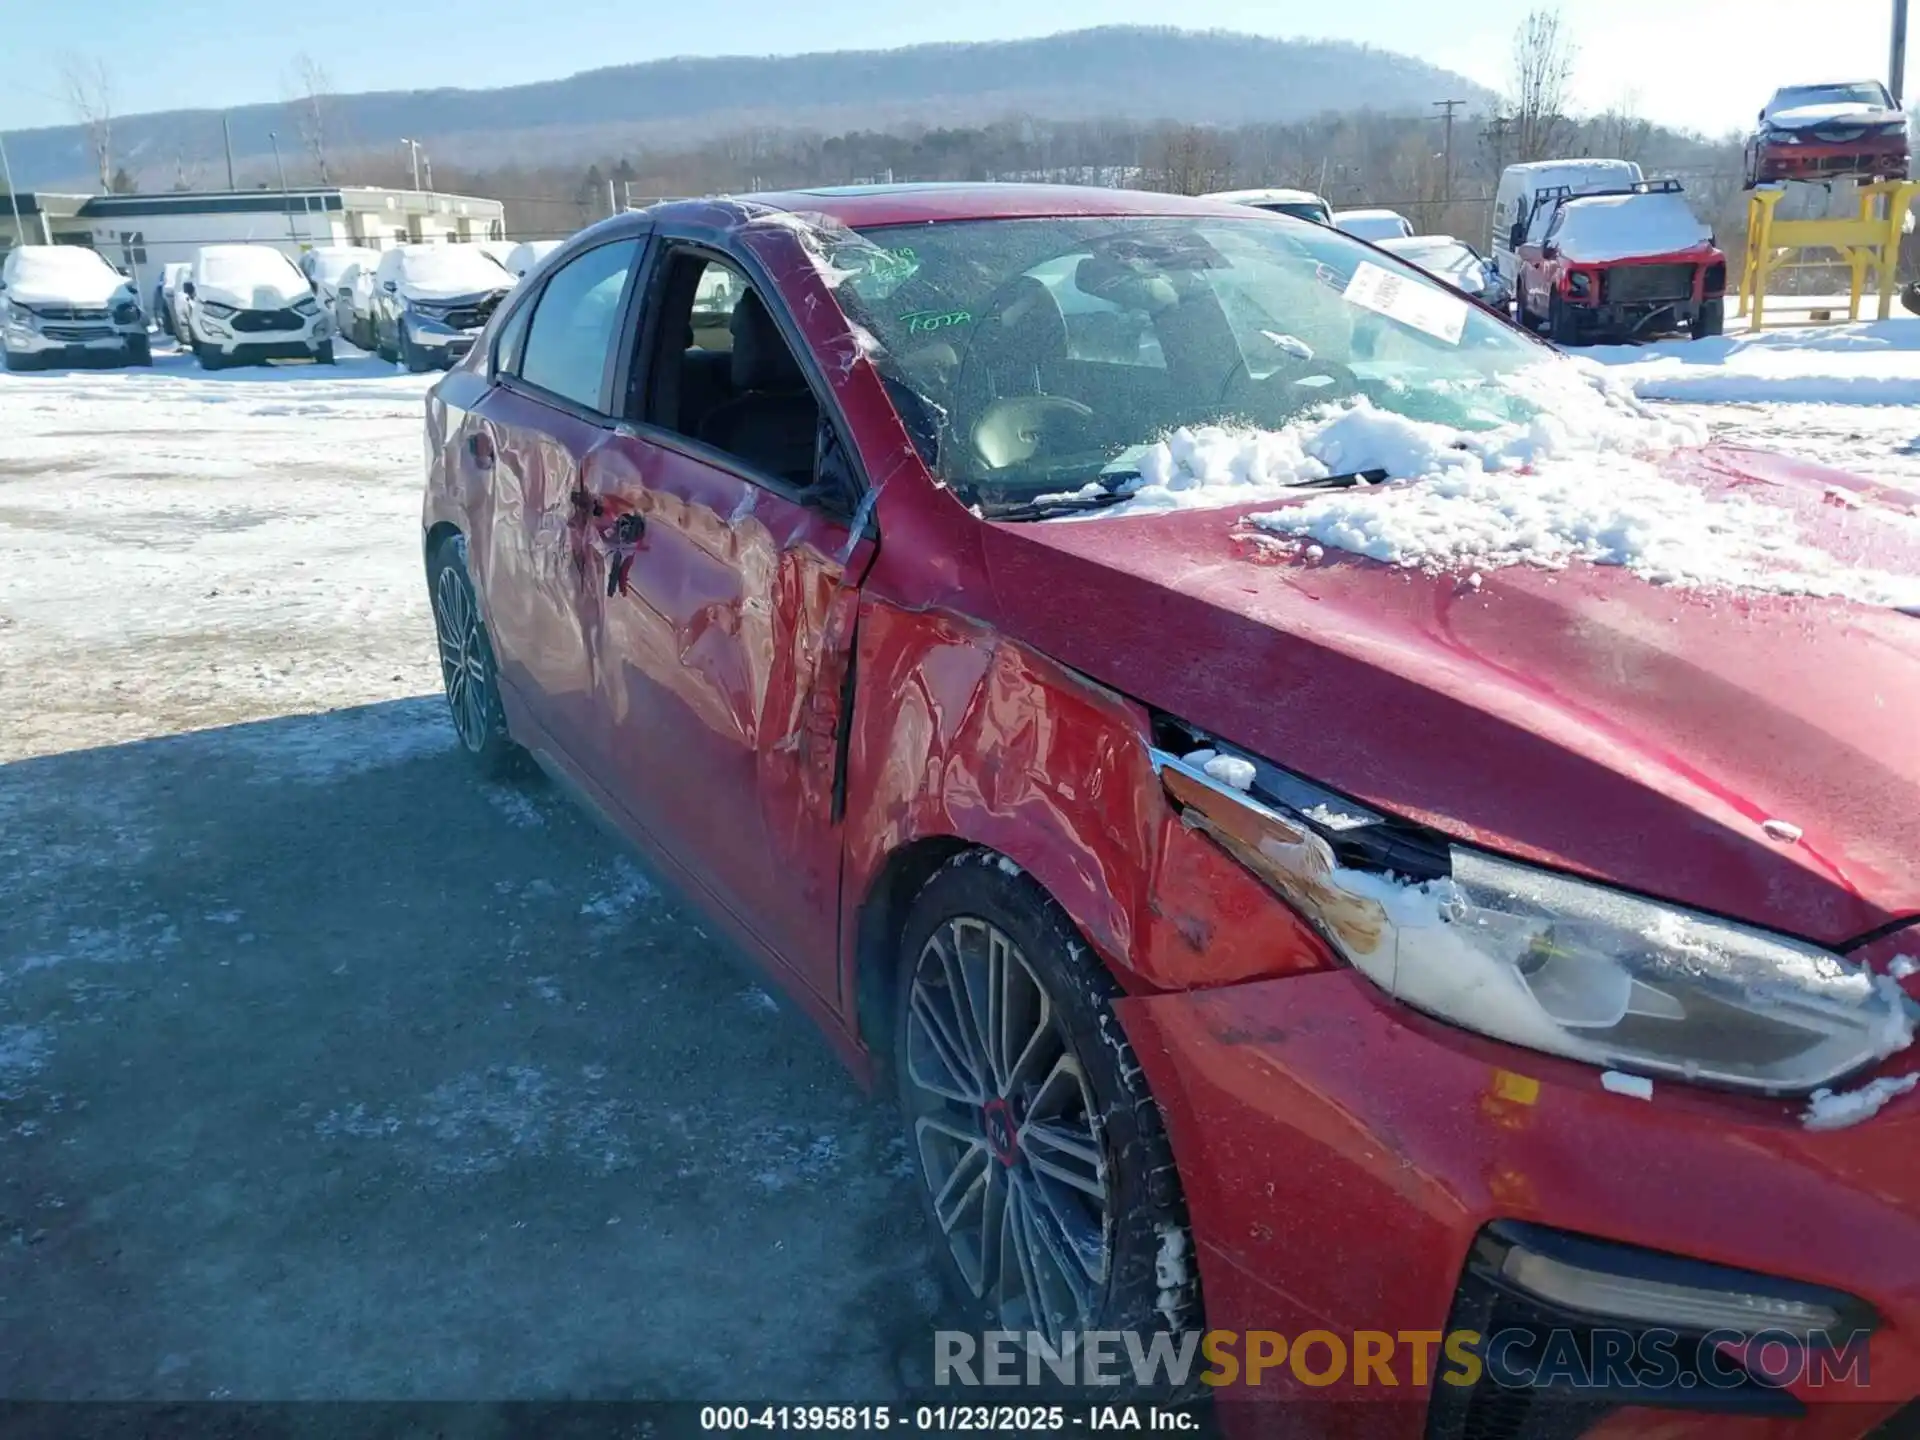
point(23, 1054)
point(629, 888)
point(1873, 363)
point(1829, 1110)
point(1171, 1272)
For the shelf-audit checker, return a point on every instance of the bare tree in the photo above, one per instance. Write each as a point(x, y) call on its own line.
point(1536, 108)
point(1621, 132)
point(1189, 161)
point(90, 96)
point(311, 85)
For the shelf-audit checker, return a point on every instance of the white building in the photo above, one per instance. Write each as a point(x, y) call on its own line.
point(141, 233)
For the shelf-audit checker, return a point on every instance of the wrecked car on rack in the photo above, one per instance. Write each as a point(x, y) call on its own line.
point(1328, 815)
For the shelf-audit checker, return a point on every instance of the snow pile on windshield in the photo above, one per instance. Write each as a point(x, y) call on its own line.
point(453, 270)
point(1576, 410)
point(39, 265)
point(241, 266)
point(1829, 1110)
point(1619, 227)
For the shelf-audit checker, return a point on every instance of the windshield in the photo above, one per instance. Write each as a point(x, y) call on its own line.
point(1034, 356)
point(1864, 92)
point(453, 268)
point(249, 265)
point(329, 266)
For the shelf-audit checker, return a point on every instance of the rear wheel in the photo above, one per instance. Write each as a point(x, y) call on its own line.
point(140, 351)
point(467, 666)
point(1710, 320)
point(1044, 1162)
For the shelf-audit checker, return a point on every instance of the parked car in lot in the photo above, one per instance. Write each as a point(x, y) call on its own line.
point(324, 265)
point(527, 254)
point(1256, 936)
point(430, 302)
point(168, 299)
point(1301, 204)
point(1456, 263)
point(1373, 224)
point(247, 304)
point(1820, 132)
point(64, 305)
point(1622, 265)
point(353, 304)
point(1522, 187)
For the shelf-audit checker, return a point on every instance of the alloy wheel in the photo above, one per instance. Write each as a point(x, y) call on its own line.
point(1007, 1130)
point(463, 658)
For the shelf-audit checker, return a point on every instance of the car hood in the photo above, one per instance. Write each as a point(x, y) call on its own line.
point(1751, 754)
point(452, 294)
point(1849, 112)
point(79, 290)
point(271, 295)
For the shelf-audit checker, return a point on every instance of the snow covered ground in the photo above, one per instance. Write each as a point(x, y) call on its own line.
point(181, 550)
point(1844, 395)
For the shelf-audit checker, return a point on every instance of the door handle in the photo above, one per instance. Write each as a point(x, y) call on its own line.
point(480, 447)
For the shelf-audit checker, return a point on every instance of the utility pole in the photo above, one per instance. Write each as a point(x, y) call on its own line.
point(13, 195)
point(226, 133)
point(1897, 66)
point(413, 148)
point(286, 200)
point(613, 207)
point(1446, 108)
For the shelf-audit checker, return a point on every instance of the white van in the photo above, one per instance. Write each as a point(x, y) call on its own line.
point(1521, 185)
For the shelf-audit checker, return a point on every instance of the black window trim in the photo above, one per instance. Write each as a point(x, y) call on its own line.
point(647, 306)
point(602, 414)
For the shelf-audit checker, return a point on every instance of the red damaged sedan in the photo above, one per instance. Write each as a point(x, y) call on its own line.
point(1331, 817)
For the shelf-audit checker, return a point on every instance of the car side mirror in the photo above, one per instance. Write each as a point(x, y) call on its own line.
point(186, 289)
point(1517, 236)
point(391, 286)
point(834, 487)
point(1549, 251)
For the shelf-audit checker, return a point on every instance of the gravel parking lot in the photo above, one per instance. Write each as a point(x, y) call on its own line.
point(325, 1069)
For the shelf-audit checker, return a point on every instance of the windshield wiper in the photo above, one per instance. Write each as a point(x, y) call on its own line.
point(1053, 505)
point(1342, 482)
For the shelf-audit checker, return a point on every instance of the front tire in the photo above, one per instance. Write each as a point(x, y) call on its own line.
point(1711, 319)
point(1563, 325)
point(467, 667)
point(1044, 1162)
point(140, 351)
point(323, 353)
point(209, 356)
point(417, 360)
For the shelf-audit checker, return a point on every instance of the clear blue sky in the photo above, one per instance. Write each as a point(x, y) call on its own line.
point(1702, 63)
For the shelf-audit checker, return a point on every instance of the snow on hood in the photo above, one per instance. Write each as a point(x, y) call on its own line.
point(250, 277)
point(1809, 117)
point(62, 275)
point(1584, 480)
point(1599, 228)
point(450, 272)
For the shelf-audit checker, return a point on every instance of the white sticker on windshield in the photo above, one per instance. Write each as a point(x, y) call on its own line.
point(1424, 307)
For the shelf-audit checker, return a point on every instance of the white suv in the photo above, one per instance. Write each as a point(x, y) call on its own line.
point(248, 303)
point(63, 303)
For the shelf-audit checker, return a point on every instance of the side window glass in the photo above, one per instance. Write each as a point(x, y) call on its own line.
point(1098, 328)
point(725, 375)
point(513, 339)
point(571, 334)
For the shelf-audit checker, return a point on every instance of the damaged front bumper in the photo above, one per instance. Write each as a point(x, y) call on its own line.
point(1345, 1159)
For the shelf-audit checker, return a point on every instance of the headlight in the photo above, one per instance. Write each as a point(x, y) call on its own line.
point(1541, 960)
point(218, 311)
point(427, 311)
point(23, 316)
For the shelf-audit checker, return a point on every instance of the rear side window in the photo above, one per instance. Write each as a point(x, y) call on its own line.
point(570, 338)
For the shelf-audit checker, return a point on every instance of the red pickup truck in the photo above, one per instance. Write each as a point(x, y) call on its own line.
point(1620, 265)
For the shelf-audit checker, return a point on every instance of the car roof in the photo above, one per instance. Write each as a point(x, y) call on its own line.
point(1584, 162)
point(1250, 197)
point(859, 206)
point(1375, 213)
